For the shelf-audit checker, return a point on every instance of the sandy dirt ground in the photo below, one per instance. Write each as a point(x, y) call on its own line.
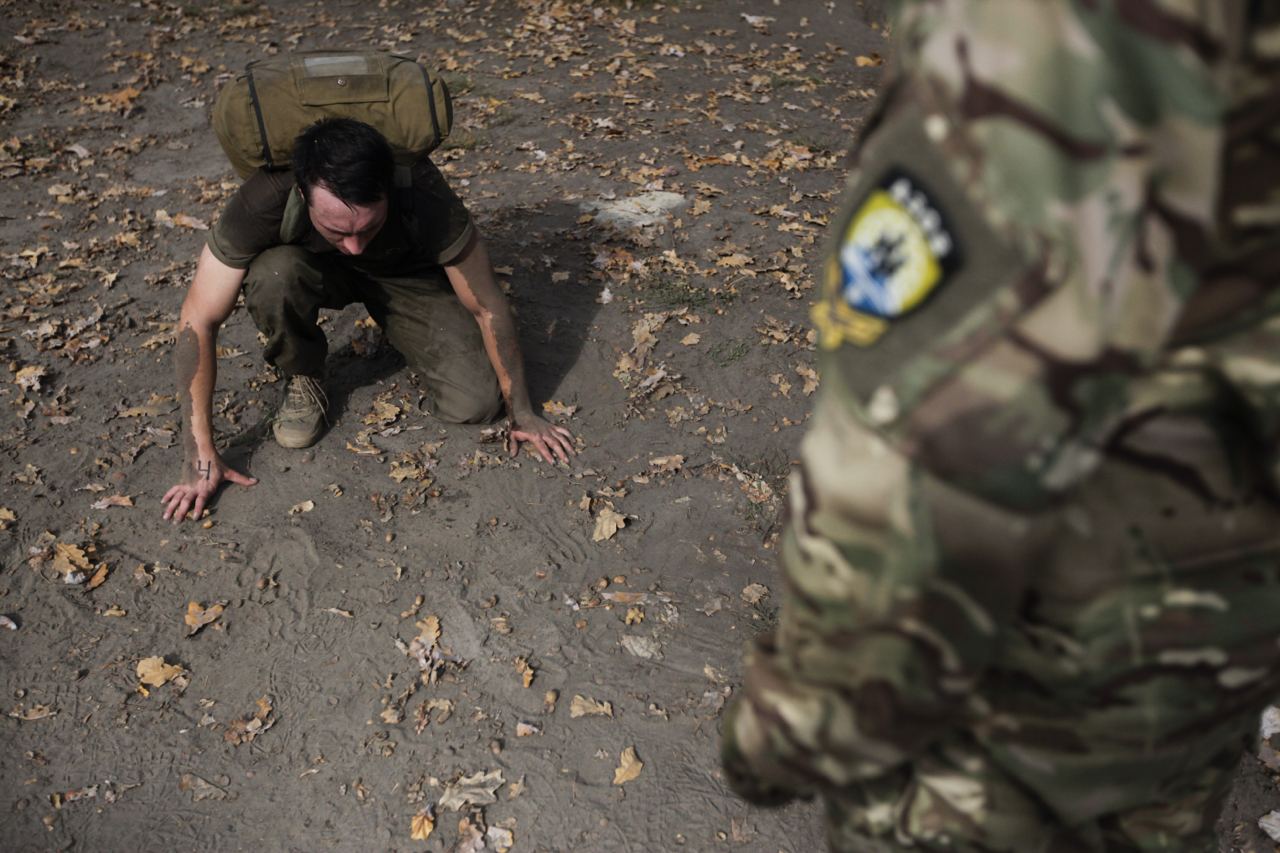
point(402, 630)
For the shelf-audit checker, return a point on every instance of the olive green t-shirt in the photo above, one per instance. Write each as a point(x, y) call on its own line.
point(427, 225)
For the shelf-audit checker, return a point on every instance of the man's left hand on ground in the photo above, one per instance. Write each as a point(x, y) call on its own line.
point(203, 479)
point(547, 438)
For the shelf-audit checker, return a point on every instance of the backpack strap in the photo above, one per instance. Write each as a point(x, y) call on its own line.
point(293, 224)
point(403, 186)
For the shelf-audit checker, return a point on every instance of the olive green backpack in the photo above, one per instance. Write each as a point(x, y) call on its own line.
point(259, 114)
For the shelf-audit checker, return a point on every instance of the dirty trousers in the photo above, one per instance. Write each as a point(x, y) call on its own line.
point(286, 287)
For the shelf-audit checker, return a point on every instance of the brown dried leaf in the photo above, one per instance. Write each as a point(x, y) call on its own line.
point(423, 824)
point(629, 766)
point(478, 789)
point(383, 412)
point(200, 788)
point(113, 500)
point(526, 671)
point(154, 672)
point(608, 522)
point(29, 378)
point(581, 706)
point(69, 559)
point(246, 729)
point(305, 506)
point(429, 631)
point(35, 712)
point(810, 377)
point(666, 464)
point(99, 577)
point(183, 220)
point(197, 616)
point(555, 407)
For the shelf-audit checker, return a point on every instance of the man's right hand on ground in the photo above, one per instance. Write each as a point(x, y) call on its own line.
point(203, 477)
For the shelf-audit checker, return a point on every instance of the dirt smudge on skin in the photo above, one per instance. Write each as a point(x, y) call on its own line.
point(186, 359)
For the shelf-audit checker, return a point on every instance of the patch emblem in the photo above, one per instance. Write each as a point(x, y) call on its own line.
point(895, 251)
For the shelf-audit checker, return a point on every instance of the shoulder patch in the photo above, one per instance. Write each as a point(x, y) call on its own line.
point(916, 280)
point(894, 251)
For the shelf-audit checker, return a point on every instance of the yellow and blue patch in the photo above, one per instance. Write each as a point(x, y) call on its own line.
point(895, 250)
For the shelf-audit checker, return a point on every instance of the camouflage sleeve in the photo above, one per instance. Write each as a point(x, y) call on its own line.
point(1031, 209)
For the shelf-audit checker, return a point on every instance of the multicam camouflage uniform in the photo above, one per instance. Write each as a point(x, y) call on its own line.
point(1033, 561)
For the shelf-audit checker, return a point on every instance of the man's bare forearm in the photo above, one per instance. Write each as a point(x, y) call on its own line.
point(195, 371)
point(502, 344)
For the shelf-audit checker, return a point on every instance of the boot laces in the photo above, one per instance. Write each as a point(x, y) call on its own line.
point(304, 392)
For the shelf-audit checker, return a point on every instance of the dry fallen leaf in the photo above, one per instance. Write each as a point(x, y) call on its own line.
point(754, 593)
point(35, 712)
point(869, 61)
point(666, 464)
point(555, 407)
point(526, 671)
point(429, 631)
point(154, 672)
point(499, 839)
point(7, 517)
point(246, 729)
point(69, 560)
point(183, 220)
point(383, 413)
point(113, 500)
point(478, 789)
point(810, 377)
point(629, 766)
point(423, 824)
point(200, 788)
point(470, 837)
point(524, 729)
point(581, 706)
point(99, 577)
point(608, 523)
point(691, 339)
point(413, 610)
point(305, 506)
point(197, 616)
point(115, 610)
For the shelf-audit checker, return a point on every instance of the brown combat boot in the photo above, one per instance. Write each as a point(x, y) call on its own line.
point(301, 419)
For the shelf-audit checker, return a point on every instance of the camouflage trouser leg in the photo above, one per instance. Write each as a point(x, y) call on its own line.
point(287, 286)
point(954, 799)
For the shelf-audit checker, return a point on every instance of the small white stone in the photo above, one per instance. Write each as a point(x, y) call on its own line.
point(936, 127)
point(1270, 824)
point(883, 407)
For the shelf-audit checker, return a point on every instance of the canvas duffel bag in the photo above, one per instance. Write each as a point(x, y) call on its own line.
point(259, 114)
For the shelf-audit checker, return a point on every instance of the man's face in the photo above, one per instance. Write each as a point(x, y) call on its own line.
point(349, 228)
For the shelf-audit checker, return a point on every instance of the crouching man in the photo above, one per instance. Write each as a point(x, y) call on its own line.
point(344, 227)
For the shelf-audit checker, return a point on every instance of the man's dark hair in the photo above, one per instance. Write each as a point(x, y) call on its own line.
point(350, 158)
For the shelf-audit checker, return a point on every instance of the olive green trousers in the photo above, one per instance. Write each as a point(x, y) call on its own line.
point(286, 286)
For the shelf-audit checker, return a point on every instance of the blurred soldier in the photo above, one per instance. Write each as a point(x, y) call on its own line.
point(1033, 559)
